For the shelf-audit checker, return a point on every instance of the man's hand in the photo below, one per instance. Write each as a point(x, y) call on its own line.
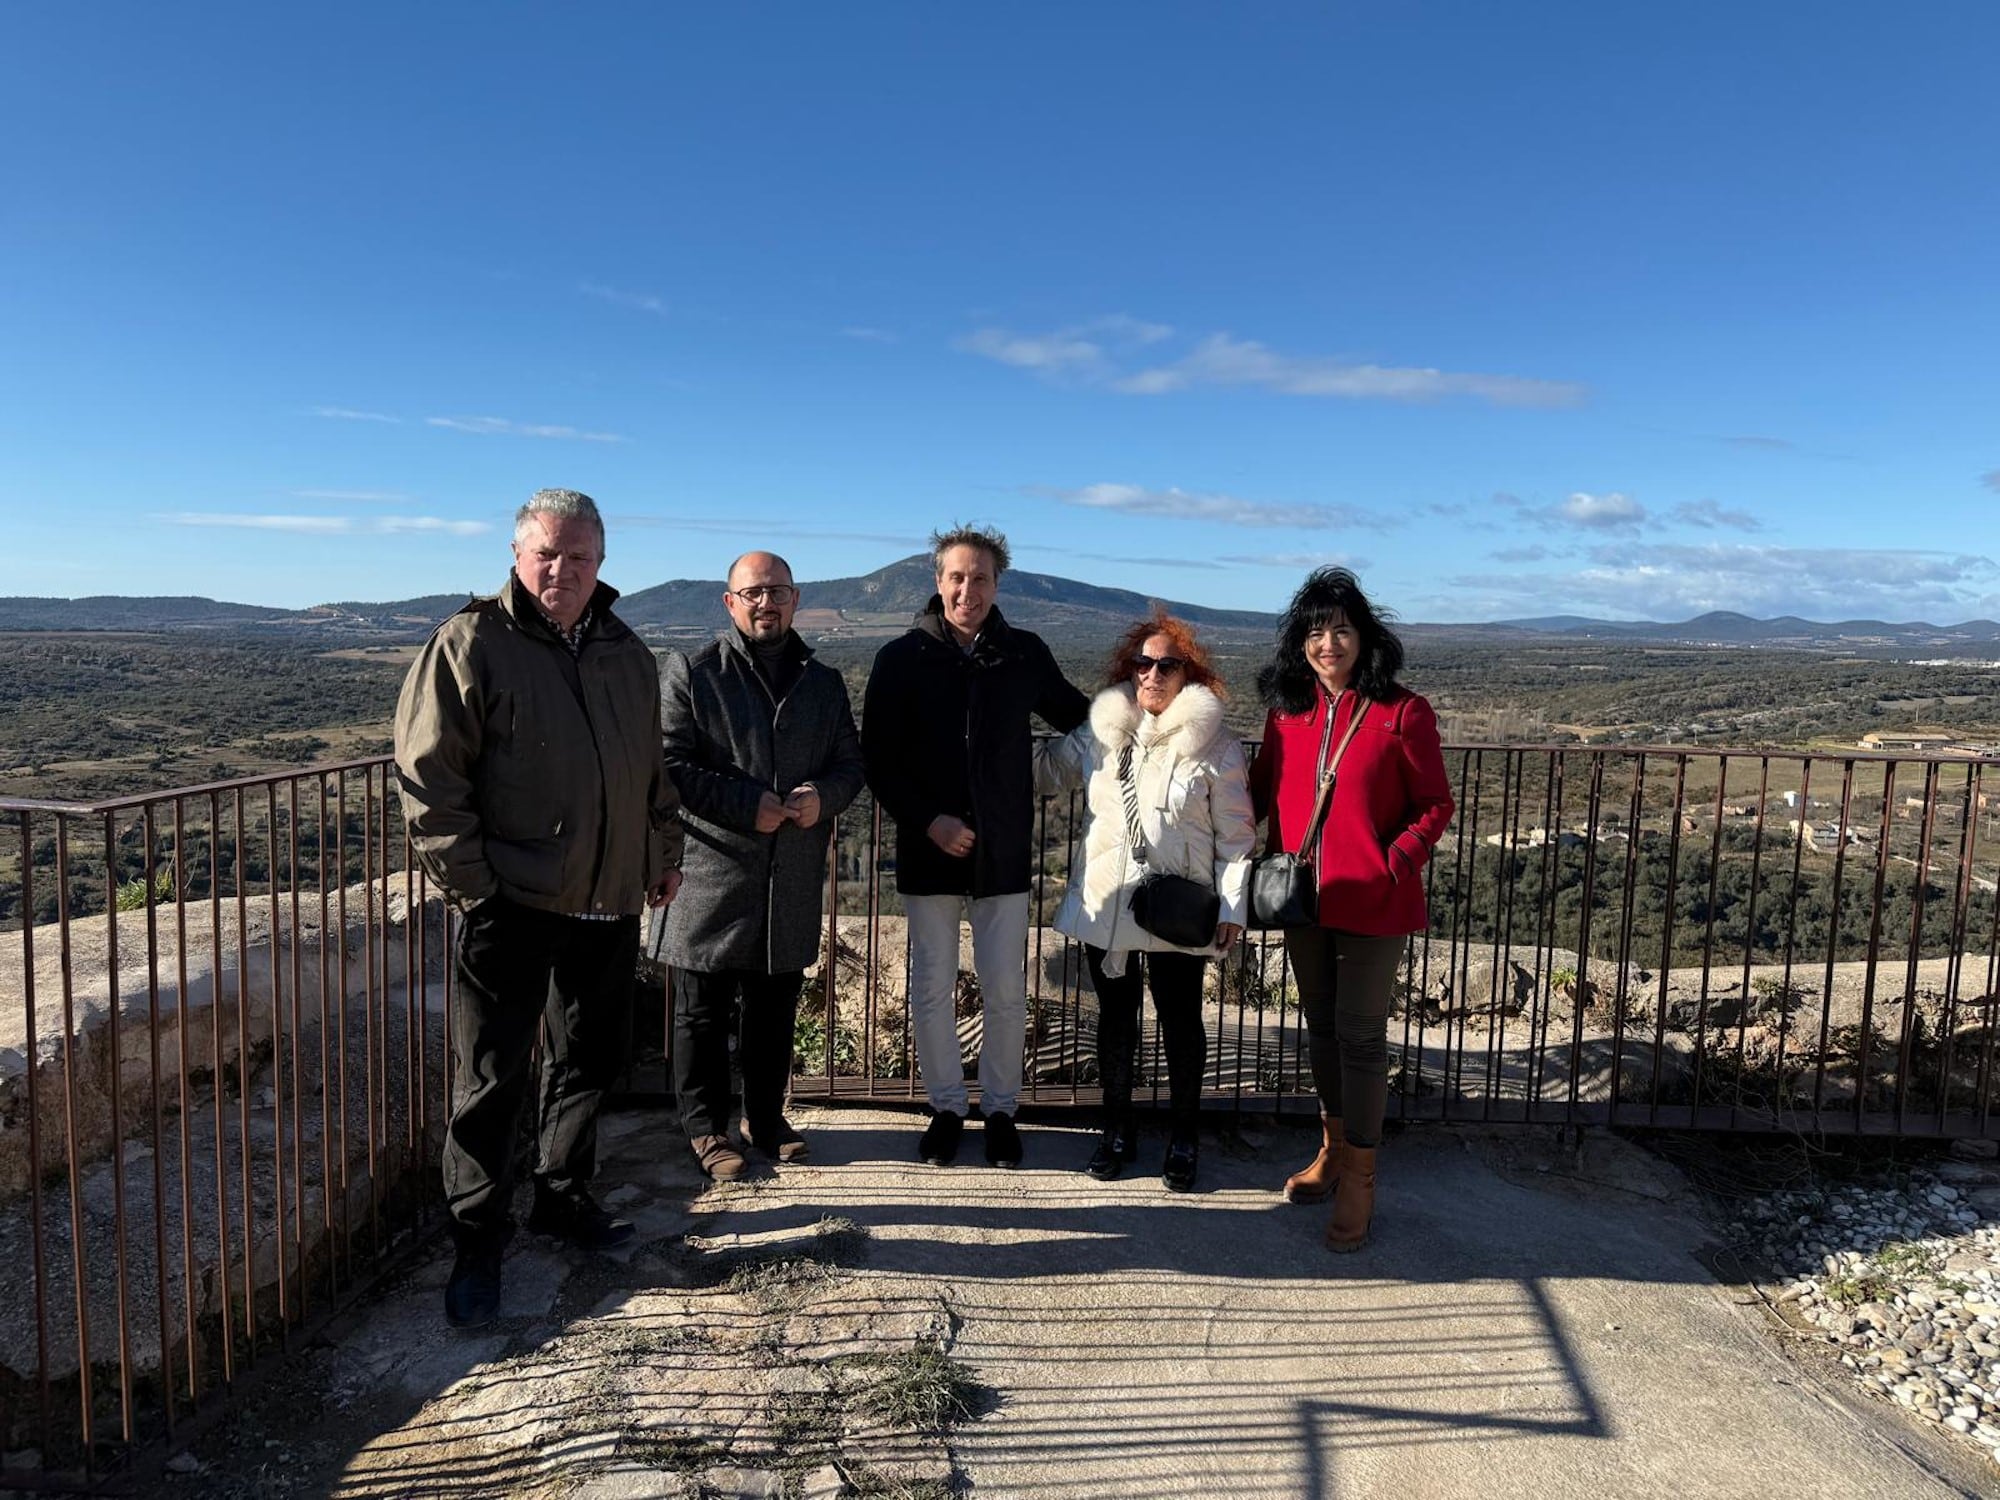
point(951, 835)
point(772, 812)
point(803, 805)
point(1226, 934)
point(664, 889)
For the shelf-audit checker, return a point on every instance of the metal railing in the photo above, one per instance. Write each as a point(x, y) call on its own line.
point(224, 1057)
point(1636, 936)
point(223, 1073)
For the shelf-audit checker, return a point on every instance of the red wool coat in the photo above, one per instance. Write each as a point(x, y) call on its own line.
point(1391, 802)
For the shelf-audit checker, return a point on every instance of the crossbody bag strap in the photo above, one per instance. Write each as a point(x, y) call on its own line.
point(1131, 798)
point(1326, 776)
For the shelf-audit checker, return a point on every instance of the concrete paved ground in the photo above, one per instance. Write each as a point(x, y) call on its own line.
point(1505, 1334)
point(1529, 1321)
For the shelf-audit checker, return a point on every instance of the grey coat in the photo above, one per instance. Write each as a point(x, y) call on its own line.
point(751, 900)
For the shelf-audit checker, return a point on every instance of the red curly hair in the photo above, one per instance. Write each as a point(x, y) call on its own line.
point(1197, 671)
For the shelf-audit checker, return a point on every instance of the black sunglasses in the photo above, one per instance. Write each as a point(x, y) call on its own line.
point(1168, 665)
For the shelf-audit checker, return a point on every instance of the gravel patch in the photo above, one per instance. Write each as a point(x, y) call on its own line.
point(1900, 1278)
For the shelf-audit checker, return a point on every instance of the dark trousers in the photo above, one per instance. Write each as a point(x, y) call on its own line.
point(1175, 980)
point(705, 1013)
point(1346, 982)
point(519, 971)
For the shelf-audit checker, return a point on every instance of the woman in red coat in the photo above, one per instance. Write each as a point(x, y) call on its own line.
point(1333, 699)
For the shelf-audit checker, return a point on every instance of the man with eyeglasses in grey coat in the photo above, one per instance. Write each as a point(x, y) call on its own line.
point(760, 742)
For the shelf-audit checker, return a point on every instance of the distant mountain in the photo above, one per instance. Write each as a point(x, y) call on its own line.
point(1725, 627)
point(121, 612)
point(892, 595)
point(889, 596)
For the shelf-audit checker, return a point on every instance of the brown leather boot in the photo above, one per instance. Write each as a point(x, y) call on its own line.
point(1353, 1199)
point(1316, 1182)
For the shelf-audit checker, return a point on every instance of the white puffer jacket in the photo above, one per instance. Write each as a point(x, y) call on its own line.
point(1194, 812)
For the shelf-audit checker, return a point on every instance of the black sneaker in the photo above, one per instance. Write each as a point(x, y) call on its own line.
point(1003, 1141)
point(577, 1218)
point(1183, 1155)
point(472, 1295)
point(939, 1146)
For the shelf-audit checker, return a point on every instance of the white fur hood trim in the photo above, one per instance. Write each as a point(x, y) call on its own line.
point(1190, 725)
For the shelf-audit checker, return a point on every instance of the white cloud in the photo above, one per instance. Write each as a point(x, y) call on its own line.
point(1102, 352)
point(1523, 554)
point(403, 525)
point(331, 525)
point(1613, 512)
point(381, 497)
point(1230, 510)
point(743, 526)
point(1196, 563)
point(1221, 359)
point(1122, 329)
point(1082, 351)
point(1709, 515)
point(1674, 581)
point(1616, 514)
point(642, 301)
point(1298, 560)
point(349, 414)
point(503, 427)
point(314, 525)
point(1057, 353)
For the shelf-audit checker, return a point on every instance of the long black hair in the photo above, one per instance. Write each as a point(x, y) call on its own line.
point(1287, 682)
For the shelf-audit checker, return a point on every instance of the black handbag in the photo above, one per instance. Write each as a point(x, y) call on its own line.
point(1284, 888)
point(1172, 908)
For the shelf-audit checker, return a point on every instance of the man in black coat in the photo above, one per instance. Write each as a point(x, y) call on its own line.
point(760, 743)
point(945, 732)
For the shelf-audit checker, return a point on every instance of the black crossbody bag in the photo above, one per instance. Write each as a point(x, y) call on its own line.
point(1171, 907)
point(1284, 888)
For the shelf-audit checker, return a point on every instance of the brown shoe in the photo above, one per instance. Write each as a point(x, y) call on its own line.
point(785, 1143)
point(1353, 1199)
point(1316, 1183)
point(719, 1158)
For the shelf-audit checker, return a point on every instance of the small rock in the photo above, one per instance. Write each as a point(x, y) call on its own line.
point(1975, 1150)
point(824, 1483)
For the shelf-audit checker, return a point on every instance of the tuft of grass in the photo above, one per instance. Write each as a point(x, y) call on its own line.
point(775, 1284)
point(869, 1484)
point(680, 1452)
point(925, 1389)
point(838, 1240)
point(806, 1426)
point(1854, 1290)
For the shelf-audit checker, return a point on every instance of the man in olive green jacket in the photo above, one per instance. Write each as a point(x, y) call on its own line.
point(528, 752)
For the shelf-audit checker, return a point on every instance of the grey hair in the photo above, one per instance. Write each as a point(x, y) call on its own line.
point(563, 505)
point(989, 539)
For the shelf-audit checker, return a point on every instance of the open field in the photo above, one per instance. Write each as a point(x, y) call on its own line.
point(94, 714)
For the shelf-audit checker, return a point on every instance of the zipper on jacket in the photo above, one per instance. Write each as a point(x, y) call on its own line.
point(1319, 784)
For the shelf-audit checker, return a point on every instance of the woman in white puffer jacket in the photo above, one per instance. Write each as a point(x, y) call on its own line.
point(1164, 703)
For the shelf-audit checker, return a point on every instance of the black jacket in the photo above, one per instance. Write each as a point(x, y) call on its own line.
point(752, 900)
point(943, 731)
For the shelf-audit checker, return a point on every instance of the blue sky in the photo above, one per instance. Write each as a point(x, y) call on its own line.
point(1518, 309)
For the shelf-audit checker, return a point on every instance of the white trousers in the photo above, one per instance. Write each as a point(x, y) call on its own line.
point(1000, 959)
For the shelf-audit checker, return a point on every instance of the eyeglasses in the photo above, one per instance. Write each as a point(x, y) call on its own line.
point(1167, 665)
point(767, 593)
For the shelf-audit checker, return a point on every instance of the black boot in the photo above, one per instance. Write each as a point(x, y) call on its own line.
point(1183, 1154)
point(1118, 1145)
point(472, 1294)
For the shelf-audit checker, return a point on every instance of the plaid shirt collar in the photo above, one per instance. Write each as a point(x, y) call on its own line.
point(572, 637)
